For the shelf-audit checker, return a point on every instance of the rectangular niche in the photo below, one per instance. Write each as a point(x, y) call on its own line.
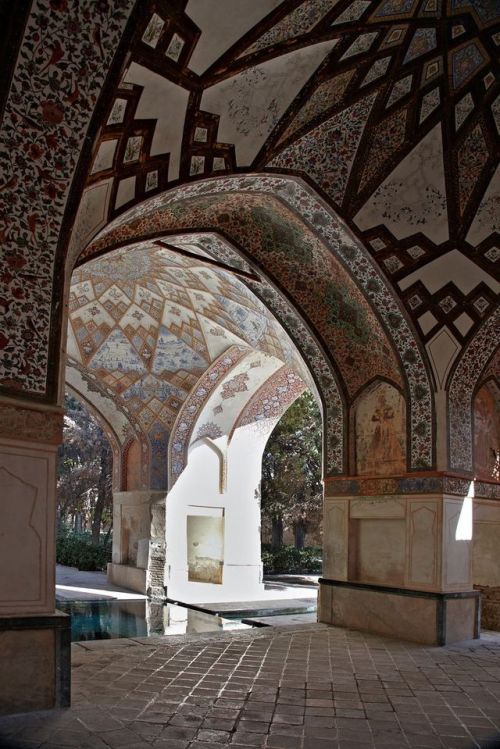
point(205, 544)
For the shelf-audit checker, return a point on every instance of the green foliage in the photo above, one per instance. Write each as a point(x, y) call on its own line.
point(290, 560)
point(78, 550)
point(84, 472)
point(291, 489)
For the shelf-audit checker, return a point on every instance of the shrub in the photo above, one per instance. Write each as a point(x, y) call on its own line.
point(288, 559)
point(77, 550)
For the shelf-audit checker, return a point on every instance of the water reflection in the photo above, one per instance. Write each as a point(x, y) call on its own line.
point(104, 620)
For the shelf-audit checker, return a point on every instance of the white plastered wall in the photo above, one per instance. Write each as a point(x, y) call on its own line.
point(219, 478)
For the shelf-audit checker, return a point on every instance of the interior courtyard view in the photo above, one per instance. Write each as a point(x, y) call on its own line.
point(249, 374)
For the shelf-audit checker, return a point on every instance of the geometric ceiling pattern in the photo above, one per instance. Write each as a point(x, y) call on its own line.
point(323, 271)
point(148, 322)
point(280, 242)
point(390, 107)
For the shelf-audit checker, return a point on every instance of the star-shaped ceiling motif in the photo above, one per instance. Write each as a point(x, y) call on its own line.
point(390, 107)
point(150, 321)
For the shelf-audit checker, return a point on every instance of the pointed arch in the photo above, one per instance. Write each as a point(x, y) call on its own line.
point(222, 457)
point(462, 384)
point(186, 418)
point(211, 204)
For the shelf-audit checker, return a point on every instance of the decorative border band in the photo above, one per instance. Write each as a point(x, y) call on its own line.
point(31, 425)
point(435, 483)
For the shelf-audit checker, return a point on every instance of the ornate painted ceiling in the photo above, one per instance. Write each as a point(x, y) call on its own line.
point(387, 109)
point(390, 107)
point(147, 323)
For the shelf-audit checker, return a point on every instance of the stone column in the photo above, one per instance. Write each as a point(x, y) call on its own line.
point(138, 541)
point(155, 576)
point(398, 556)
point(34, 638)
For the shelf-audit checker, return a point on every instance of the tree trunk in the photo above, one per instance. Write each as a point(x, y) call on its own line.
point(299, 529)
point(101, 498)
point(277, 533)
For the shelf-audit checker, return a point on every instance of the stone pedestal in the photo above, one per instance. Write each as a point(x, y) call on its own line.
point(419, 616)
point(398, 557)
point(35, 659)
point(34, 639)
point(127, 576)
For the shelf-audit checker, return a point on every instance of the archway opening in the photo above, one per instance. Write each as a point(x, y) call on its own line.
point(292, 492)
point(190, 370)
point(84, 491)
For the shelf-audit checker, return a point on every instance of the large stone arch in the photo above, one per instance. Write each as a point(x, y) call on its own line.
point(213, 519)
point(322, 376)
point(55, 117)
point(210, 204)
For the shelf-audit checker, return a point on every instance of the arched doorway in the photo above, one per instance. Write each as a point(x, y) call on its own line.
point(171, 344)
point(342, 317)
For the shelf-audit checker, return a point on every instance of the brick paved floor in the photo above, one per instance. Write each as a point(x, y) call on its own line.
point(309, 687)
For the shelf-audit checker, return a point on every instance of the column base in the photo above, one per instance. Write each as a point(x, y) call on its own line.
point(415, 615)
point(35, 660)
point(126, 576)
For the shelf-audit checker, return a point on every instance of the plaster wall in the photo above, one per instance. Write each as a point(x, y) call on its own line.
point(380, 431)
point(487, 432)
point(222, 486)
point(131, 525)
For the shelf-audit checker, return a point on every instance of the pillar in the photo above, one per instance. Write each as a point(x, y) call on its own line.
point(398, 556)
point(138, 556)
point(213, 522)
point(34, 637)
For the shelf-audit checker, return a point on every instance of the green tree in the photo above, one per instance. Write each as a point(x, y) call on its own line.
point(291, 489)
point(84, 490)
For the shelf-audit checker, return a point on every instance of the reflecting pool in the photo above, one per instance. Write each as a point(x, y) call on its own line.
point(104, 620)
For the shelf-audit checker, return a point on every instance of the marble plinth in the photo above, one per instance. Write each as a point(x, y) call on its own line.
point(420, 616)
point(35, 663)
point(127, 576)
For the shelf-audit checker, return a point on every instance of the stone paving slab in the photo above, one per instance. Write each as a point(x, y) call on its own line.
point(301, 687)
point(80, 585)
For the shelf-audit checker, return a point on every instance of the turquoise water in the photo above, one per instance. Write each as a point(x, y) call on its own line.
point(105, 620)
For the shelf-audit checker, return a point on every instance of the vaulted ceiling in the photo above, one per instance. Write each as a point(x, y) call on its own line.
point(146, 323)
point(390, 108)
point(387, 109)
